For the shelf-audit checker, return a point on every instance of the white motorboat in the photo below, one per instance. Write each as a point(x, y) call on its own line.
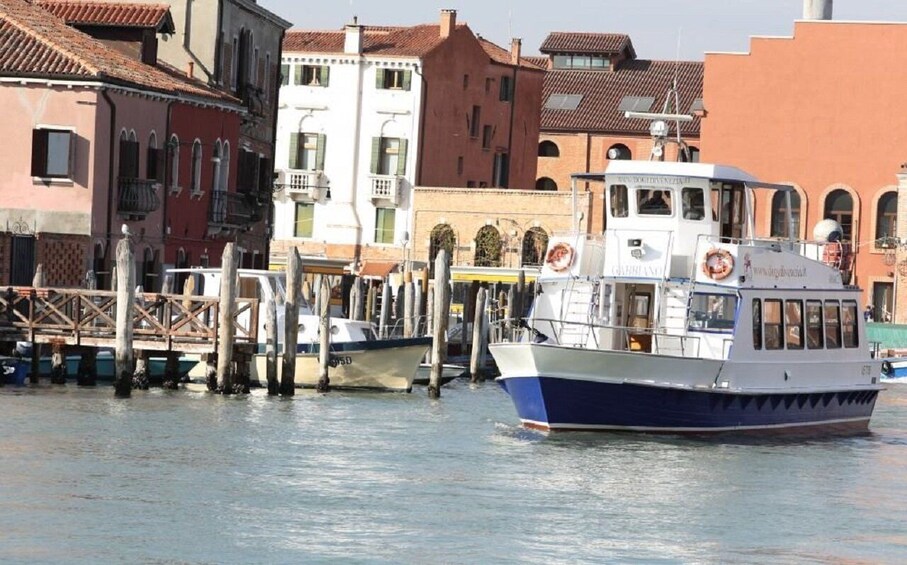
point(358, 358)
point(679, 318)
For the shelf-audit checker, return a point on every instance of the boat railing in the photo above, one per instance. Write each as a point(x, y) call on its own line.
point(560, 332)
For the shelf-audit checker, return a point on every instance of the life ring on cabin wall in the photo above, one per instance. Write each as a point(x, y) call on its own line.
point(718, 264)
point(560, 257)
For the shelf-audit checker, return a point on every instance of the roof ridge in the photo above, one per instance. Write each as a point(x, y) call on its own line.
point(46, 40)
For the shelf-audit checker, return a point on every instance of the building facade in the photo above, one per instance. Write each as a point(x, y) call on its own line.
point(369, 113)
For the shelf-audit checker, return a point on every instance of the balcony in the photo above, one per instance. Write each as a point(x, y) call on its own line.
point(229, 212)
point(301, 185)
point(137, 198)
point(386, 187)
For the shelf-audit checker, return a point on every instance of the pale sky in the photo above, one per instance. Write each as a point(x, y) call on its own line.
point(655, 26)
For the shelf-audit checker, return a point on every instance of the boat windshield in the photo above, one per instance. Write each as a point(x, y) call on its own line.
point(715, 312)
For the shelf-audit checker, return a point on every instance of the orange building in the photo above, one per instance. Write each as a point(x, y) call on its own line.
point(592, 80)
point(821, 110)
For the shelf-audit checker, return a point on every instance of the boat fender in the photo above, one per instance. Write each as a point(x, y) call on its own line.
point(887, 369)
point(718, 264)
point(560, 257)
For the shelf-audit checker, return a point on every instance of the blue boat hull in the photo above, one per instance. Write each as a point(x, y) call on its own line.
point(554, 404)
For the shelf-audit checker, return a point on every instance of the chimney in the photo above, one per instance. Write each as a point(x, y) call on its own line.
point(817, 9)
point(448, 22)
point(353, 42)
point(190, 69)
point(516, 48)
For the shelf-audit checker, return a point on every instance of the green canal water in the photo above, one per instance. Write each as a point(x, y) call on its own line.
point(195, 478)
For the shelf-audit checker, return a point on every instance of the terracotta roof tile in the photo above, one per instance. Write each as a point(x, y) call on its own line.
point(578, 42)
point(415, 41)
point(503, 57)
point(603, 91)
point(541, 62)
point(114, 14)
point(35, 45)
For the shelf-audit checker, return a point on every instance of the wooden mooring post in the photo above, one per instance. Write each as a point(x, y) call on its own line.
point(370, 304)
point(140, 378)
point(478, 338)
point(324, 345)
point(384, 318)
point(125, 281)
point(225, 330)
point(58, 362)
point(439, 333)
point(408, 296)
point(271, 347)
point(291, 323)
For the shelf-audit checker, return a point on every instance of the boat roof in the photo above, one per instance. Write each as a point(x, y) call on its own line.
point(670, 168)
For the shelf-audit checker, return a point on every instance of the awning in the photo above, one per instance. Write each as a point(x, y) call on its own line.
point(377, 269)
point(890, 336)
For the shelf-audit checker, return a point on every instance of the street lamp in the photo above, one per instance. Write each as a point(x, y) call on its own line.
point(404, 240)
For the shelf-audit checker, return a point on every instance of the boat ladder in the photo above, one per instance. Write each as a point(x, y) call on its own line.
point(579, 304)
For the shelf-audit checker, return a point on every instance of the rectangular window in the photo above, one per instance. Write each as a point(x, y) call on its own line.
point(793, 322)
point(312, 75)
point(619, 201)
point(390, 156)
point(52, 153)
point(832, 324)
point(774, 326)
point(305, 219)
point(155, 164)
point(814, 328)
point(653, 202)
point(487, 134)
point(129, 159)
point(693, 203)
point(384, 225)
point(757, 324)
point(393, 79)
point(500, 173)
point(714, 312)
point(285, 75)
point(506, 94)
point(849, 323)
point(307, 151)
point(474, 123)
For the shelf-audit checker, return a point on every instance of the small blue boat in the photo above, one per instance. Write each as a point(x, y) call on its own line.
point(894, 368)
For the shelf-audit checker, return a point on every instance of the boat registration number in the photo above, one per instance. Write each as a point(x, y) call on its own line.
point(336, 361)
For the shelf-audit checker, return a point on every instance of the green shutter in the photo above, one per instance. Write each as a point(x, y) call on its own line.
point(379, 78)
point(401, 159)
point(407, 80)
point(297, 75)
point(319, 152)
point(294, 150)
point(324, 75)
point(376, 154)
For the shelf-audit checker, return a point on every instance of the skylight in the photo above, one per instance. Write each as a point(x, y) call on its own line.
point(563, 101)
point(636, 103)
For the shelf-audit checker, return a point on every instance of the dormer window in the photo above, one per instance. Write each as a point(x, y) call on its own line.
point(582, 62)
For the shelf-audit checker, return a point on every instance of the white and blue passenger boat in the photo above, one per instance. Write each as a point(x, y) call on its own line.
point(679, 318)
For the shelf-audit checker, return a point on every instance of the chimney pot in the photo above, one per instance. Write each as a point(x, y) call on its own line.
point(190, 69)
point(516, 49)
point(448, 22)
point(817, 9)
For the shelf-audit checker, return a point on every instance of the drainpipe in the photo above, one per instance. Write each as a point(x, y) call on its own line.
point(166, 181)
point(111, 184)
point(422, 104)
point(218, 45)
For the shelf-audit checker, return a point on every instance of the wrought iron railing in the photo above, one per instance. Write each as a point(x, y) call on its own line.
point(137, 197)
point(228, 209)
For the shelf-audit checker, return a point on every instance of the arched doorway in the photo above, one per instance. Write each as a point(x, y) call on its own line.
point(535, 242)
point(488, 247)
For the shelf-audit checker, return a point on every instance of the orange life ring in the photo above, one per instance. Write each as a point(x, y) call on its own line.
point(560, 257)
point(718, 264)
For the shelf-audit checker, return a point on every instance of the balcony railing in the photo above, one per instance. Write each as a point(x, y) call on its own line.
point(229, 210)
point(386, 187)
point(137, 197)
point(300, 184)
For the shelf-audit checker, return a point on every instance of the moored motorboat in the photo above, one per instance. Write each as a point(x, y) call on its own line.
point(680, 318)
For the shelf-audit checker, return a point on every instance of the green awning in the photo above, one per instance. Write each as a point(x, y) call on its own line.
point(890, 336)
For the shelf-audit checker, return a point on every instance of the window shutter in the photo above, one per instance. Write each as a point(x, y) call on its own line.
point(151, 172)
point(407, 80)
point(401, 158)
point(325, 73)
point(379, 78)
point(376, 154)
point(294, 150)
point(39, 153)
point(71, 163)
point(297, 74)
point(319, 152)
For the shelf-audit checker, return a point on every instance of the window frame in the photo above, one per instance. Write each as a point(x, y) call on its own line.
point(776, 326)
point(301, 234)
point(40, 165)
point(384, 235)
point(815, 330)
point(832, 324)
point(793, 329)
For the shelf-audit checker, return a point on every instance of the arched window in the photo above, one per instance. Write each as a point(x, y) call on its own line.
point(129, 156)
point(839, 207)
point(545, 183)
point(619, 152)
point(225, 167)
point(442, 237)
point(488, 247)
point(196, 166)
point(548, 149)
point(173, 155)
point(886, 220)
point(779, 213)
point(216, 178)
point(535, 242)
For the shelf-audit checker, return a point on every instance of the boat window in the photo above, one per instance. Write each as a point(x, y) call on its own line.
point(693, 203)
point(814, 337)
point(619, 201)
point(849, 323)
point(757, 324)
point(774, 328)
point(832, 324)
point(793, 322)
point(716, 202)
point(712, 312)
point(653, 202)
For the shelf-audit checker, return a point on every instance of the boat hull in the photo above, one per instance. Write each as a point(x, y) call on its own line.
point(386, 365)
